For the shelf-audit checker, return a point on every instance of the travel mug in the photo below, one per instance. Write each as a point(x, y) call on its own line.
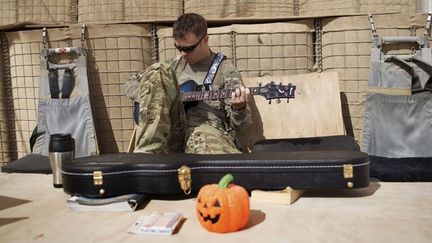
point(61, 150)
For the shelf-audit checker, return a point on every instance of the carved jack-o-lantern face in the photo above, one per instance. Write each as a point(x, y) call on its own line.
point(223, 208)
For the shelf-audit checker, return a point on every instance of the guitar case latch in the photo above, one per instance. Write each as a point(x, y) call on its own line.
point(185, 180)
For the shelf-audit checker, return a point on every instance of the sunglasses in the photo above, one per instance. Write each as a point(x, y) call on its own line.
point(188, 49)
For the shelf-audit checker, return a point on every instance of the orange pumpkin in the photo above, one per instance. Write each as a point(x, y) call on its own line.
point(224, 207)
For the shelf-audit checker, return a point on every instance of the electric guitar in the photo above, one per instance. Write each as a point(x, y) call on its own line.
point(190, 91)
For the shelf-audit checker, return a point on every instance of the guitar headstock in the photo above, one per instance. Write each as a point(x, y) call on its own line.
point(272, 91)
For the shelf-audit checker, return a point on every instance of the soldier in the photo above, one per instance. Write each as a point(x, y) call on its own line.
point(208, 127)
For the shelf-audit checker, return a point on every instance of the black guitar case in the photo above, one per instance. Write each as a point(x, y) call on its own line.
point(110, 175)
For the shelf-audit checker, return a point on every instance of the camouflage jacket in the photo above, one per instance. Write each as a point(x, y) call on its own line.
point(217, 113)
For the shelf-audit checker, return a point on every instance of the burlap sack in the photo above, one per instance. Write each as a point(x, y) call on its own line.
point(114, 11)
point(45, 11)
point(328, 7)
point(342, 7)
point(240, 8)
point(8, 12)
point(36, 12)
point(388, 6)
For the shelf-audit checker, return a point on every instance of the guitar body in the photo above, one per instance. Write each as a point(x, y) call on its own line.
point(189, 86)
point(186, 87)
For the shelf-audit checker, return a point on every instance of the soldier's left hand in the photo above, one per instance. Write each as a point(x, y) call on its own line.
point(240, 97)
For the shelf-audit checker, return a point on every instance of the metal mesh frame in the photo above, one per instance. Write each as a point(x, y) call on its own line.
point(6, 108)
point(112, 60)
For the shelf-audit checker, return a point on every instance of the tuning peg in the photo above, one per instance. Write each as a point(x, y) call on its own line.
point(269, 102)
point(278, 101)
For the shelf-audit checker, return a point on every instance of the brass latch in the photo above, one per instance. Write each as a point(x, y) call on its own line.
point(348, 171)
point(97, 178)
point(184, 177)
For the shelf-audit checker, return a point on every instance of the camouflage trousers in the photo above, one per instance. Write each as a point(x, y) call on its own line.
point(163, 125)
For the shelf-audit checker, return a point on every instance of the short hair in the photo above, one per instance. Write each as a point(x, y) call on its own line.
point(189, 22)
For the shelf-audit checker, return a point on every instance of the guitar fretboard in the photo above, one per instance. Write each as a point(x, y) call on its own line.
point(213, 94)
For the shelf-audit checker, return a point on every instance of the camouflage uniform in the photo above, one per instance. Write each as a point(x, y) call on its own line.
point(210, 127)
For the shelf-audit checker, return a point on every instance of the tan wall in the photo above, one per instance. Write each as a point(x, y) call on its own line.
point(386, 6)
point(116, 11)
point(258, 49)
point(219, 41)
point(328, 7)
point(240, 8)
point(24, 51)
point(36, 11)
point(45, 11)
point(111, 11)
point(8, 12)
point(115, 52)
point(343, 7)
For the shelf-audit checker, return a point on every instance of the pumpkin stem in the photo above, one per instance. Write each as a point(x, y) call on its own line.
point(225, 181)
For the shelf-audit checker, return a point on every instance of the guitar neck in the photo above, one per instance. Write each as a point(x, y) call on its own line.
point(212, 94)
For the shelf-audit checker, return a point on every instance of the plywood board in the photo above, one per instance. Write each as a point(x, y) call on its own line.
point(315, 110)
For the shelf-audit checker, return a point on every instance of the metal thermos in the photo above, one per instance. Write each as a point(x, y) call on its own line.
point(61, 150)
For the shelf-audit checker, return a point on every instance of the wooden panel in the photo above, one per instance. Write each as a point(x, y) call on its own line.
point(315, 111)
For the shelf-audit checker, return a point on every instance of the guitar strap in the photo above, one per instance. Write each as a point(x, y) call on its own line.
point(208, 80)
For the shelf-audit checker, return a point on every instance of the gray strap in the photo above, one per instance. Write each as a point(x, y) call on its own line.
point(53, 83)
point(68, 83)
point(208, 80)
point(415, 80)
point(428, 68)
